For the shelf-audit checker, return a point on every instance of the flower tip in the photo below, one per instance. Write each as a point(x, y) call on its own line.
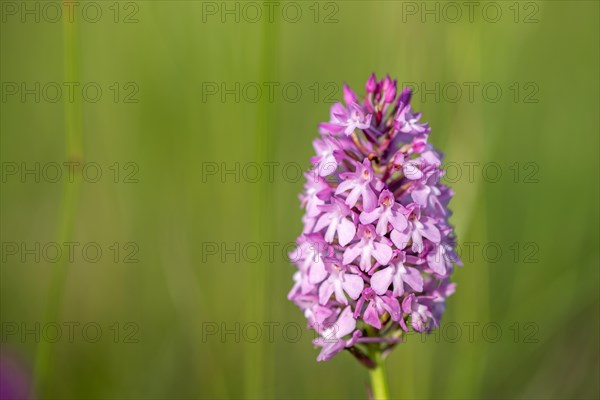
point(404, 97)
point(371, 83)
point(390, 91)
point(349, 95)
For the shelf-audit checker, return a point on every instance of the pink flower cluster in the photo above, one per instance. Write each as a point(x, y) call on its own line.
point(377, 250)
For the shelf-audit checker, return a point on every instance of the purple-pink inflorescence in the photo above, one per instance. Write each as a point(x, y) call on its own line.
point(376, 252)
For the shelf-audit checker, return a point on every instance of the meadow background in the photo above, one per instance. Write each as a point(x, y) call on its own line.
point(167, 132)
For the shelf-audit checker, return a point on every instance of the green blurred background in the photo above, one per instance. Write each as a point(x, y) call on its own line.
point(542, 291)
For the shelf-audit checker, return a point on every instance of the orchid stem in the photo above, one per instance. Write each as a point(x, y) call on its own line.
point(379, 385)
point(257, 367)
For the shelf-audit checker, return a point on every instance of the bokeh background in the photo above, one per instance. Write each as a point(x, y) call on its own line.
point(198, 313)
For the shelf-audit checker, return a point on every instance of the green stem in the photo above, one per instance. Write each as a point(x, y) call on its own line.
point(68, 209)
point(257, 368)
point(378, 377)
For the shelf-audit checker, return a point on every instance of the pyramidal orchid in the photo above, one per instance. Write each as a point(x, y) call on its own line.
point(377, 251)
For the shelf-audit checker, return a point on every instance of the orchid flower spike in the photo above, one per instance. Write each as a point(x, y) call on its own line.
point(376, 253)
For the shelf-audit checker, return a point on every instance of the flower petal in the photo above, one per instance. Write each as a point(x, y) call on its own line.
point(382, 253)
point(353, 285)
point(325, 291)
point(346, 231)
point(431, 232)
point(369, 217)
point(398, 221)
point(392, 305)
point(345, 323)
point(400, 238)
point(420, 194)
point(411, 171)
point(413, 279)
point(317, 272)
point(351, 253)
point(380, 281)
point(371, 317)
point(369, 199)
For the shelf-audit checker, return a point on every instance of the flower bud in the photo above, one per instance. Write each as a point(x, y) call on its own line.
point(371, 84)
